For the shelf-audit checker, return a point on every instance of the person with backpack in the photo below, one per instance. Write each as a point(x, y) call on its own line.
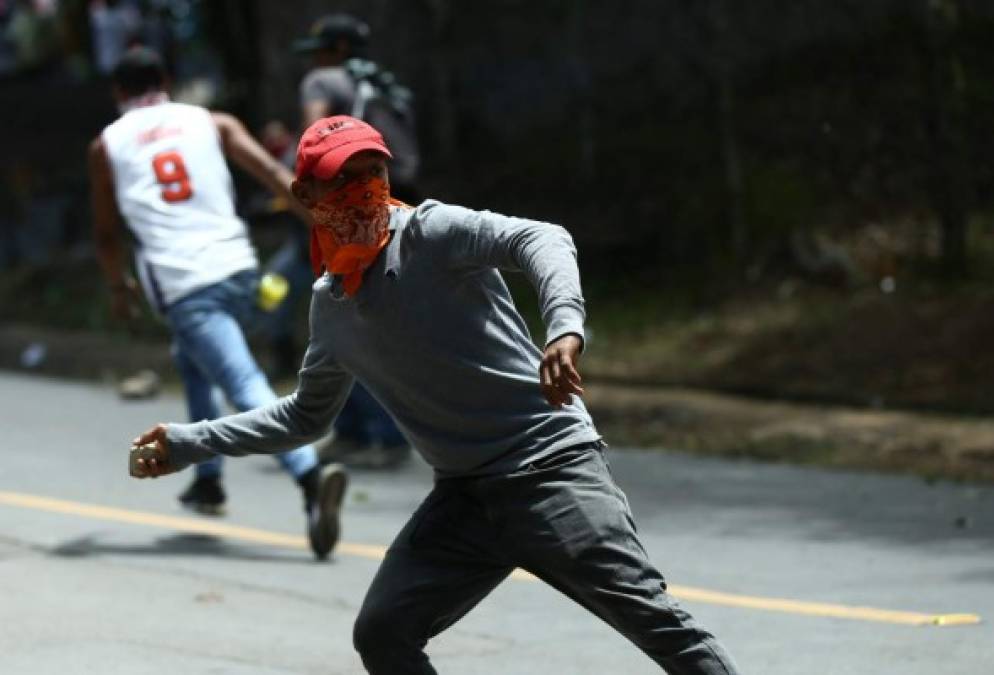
point(343, 81)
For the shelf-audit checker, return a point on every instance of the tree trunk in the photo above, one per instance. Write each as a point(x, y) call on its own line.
point(584, 100)
point(722, 72)
point(948, 178)
point(734, 183)
point(443, 118)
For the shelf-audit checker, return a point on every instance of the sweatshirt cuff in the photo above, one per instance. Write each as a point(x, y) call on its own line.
point(184, 444)
point(564, 321)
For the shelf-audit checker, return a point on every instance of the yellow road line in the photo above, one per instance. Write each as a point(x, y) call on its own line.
point(255, 536)
point(822, 609)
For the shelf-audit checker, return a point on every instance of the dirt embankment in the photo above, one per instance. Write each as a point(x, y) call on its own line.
point(931, 445)
point(937, 446)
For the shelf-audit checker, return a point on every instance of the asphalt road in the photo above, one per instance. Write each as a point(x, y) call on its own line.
point(797, 570)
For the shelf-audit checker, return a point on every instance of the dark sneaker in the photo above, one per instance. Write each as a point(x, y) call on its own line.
point(205, 496)
point(324, 490)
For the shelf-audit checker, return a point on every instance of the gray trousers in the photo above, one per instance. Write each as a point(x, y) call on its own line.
point(564, 520)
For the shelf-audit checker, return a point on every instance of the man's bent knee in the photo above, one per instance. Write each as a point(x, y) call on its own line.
point(364, 632)
point(386, 645)
point(376, 630)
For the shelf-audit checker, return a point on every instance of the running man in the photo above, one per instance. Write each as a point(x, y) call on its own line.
point(412, 304)
point(160, 168)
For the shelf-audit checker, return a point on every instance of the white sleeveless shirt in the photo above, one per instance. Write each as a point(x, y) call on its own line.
point(175, 192)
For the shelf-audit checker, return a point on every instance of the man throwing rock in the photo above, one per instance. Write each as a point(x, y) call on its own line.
point(411, 303)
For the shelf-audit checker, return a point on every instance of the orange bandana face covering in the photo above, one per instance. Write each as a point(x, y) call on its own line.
point(351, 227)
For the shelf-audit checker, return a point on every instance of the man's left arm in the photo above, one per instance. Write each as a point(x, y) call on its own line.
point(546, 255)
point(251, 157)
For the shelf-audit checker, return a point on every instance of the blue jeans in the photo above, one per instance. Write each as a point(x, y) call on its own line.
point(364, 421)
point(213, 358)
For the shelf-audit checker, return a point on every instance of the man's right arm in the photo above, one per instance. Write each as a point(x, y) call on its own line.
point(107, 226)
point(289, 422)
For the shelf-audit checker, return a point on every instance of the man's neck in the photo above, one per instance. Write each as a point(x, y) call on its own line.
point(142, 101)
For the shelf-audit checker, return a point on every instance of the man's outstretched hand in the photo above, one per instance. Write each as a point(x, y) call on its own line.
point(558, 374)
point(155, 463)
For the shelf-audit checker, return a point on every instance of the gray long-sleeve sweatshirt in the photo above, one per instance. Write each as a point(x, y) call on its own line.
point(434, 335)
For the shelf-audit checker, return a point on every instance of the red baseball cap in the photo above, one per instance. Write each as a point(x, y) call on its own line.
point(330, 141)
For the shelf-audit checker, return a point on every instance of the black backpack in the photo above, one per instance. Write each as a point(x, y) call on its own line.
point(389, 106)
